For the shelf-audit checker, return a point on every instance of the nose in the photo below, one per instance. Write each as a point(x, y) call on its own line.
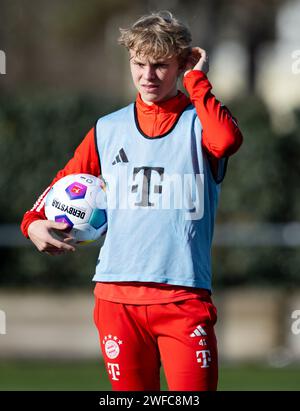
point(149, 72)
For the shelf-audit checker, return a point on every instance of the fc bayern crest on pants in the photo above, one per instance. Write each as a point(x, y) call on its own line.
point(112, 346)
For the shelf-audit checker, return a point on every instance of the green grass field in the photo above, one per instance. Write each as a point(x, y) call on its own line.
point(81, 376)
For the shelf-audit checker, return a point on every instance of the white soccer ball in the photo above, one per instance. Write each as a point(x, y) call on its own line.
point(80, 201)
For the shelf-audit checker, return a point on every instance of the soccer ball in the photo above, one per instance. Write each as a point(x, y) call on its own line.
point(80, 201)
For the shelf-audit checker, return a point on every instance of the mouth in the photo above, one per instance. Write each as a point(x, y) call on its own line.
point(150, 87)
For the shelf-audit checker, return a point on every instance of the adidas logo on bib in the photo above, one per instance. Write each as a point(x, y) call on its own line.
point(121, 157)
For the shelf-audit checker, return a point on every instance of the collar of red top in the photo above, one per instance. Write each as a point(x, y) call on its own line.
point(172, 105)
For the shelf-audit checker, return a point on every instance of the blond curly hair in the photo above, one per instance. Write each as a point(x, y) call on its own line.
point(158, 35)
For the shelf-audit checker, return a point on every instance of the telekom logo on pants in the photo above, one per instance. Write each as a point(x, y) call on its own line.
point(113, 370)
point(204, 358)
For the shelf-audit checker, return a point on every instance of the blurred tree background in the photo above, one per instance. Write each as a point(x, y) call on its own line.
point(65, 69)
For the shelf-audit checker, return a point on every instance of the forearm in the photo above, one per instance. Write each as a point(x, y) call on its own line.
point(36, 213)
point(221, 136)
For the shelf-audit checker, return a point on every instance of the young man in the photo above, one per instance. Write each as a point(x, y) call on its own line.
point(165, 156)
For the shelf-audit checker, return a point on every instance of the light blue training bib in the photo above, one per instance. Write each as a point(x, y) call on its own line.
point(162, 201)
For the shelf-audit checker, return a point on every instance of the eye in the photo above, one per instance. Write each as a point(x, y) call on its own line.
point(161, 65)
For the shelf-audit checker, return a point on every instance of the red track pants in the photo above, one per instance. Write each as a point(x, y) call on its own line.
point(135, 339)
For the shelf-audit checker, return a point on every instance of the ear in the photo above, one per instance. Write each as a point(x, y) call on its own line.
point(184, 63)
point(181, 66)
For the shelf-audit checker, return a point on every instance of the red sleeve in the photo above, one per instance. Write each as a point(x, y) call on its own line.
point(85, 160)
point(221, 136)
